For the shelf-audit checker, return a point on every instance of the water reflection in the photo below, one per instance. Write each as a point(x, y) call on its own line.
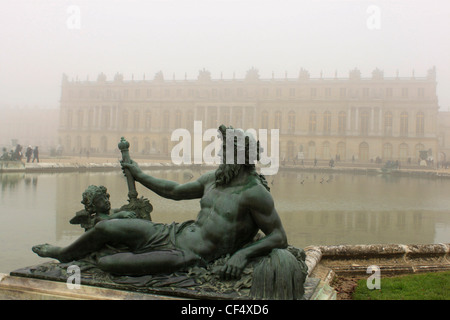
point(319, 209)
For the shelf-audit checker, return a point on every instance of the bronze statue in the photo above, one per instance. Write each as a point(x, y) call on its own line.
point(235, 203)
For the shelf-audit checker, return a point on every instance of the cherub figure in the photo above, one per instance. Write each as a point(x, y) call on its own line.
point(97, 207)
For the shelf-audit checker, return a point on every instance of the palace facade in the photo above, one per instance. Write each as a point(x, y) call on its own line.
point(354, 118)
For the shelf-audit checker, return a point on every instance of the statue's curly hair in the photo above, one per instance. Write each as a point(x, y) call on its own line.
point(249, 165)
point(90, 194)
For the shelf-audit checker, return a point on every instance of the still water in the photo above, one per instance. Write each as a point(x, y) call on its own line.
point(315, 208)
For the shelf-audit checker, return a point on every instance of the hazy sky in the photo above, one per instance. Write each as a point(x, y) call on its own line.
point(40, 40)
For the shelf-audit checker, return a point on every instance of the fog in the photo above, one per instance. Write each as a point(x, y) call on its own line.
point(41, 40)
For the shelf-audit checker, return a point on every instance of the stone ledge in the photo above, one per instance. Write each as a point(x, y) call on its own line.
point(21, 288)
point(325, 262)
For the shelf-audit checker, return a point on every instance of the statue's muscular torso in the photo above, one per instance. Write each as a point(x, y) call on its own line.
point(224, 223)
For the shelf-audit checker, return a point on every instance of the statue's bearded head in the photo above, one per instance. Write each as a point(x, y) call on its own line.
point(239, 150)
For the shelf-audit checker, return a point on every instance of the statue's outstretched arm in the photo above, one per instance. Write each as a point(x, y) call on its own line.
point(166, 188)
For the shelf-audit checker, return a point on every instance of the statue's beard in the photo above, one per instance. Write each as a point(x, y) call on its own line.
point(226, 173)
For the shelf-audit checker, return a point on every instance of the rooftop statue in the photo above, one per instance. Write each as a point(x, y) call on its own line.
point(235, 204)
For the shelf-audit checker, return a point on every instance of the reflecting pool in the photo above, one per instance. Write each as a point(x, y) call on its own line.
point(315, 208)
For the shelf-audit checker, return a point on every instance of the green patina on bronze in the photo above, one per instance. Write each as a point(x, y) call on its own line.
point(235, 204)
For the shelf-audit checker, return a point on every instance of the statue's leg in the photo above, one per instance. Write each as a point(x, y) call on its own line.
point(154, 262)
point(128, 232)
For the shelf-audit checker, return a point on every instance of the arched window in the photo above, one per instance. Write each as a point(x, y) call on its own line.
point(136, 118)
point(403, 152)
point(327, 122)
point(80, 119)
point(312, 122)
point(342, 122)
point(420, 124)
point(106, 117)
point(291, 121)
point(69, 119)
point(364, 151)
point(341, 150)
point(364, 121)
point(166, 120)
point(90, 117)
point(387, 151)
point(148, 119)
point(388, 124)
point(404, 124)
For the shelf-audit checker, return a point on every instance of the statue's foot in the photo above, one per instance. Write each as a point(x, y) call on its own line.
point(47, 251)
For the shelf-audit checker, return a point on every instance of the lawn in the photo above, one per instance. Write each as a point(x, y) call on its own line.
point(426, 286)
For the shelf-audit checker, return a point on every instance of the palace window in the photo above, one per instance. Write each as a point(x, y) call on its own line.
point(69, 119)
point(312, 122)
point(389, 92)
point(148, 119)
point(342, 119)
point(136, 120)
point(277, 120)
point(365, 92)
point(80, 119)
point(365, 117)
point(388, 124)
point(404, 124)
point(327, 122)
point(291, 121)
point(404, 92)
point(278, 92)
point(106, 117)
point(403, 152)
point(166, 120)
point(420, 92)
point(90, 118)
point(420, 124)
point(387, 151)
point(292, 92)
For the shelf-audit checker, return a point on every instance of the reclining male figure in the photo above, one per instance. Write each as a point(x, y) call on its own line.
point(235, 204)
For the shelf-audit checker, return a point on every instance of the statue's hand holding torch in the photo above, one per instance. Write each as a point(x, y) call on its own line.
point(129, 167)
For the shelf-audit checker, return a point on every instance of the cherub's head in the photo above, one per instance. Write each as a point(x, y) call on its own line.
point(96, 200)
